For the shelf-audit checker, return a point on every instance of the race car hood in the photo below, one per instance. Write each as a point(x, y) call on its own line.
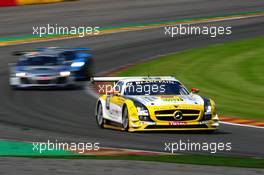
point(168, 99)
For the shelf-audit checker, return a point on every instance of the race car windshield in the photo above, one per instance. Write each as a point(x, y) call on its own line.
point(155, 88)
point(41, 61)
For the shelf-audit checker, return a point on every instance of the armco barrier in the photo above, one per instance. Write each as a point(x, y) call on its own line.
point(26, 2)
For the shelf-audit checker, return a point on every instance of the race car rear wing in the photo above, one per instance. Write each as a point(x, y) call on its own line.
point(81, 49)
point(116, 79)
point(63, 49)
point(106, 79)
point(19, 53)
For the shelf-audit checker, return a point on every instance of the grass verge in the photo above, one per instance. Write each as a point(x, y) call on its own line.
point(229, 73)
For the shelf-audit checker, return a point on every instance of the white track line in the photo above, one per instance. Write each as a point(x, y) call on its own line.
point(243, 125)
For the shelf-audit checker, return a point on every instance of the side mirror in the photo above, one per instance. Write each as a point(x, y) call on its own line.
point(117, 93)
point(195, 90)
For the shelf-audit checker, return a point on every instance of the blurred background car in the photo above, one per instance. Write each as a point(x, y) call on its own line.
point(51, 66)
point(40, 70)
point(80, 62)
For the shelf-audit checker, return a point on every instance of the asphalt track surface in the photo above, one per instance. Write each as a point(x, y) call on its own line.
point(120, 167)
point(38, 115)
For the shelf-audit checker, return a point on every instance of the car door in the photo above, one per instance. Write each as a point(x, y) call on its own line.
point(114, 103)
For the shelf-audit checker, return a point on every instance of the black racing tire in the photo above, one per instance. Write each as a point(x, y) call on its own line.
point(99, 116)
point(125, 119)
point(88, 72)
point(13, 87)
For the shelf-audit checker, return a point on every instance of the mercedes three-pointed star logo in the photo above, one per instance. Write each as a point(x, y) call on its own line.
point(178, 115)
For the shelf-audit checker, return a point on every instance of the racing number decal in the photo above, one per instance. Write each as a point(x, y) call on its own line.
point(107, 103)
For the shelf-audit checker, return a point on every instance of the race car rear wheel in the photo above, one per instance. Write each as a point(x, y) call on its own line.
point(13, 87)
point(125, 120)
point(99, 116)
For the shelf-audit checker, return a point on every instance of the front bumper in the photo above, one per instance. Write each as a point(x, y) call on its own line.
point(193, 119)
point(158, 126)
point(53, 81)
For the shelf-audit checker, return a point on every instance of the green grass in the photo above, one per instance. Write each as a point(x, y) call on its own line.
point(15, 148)
point(232, 74)
point(245, 162)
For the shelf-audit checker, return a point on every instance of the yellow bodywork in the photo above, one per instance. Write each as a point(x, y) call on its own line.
point(135, 124)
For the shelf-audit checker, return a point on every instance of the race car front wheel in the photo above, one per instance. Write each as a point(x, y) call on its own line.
point(125, 120)
point(99, 116)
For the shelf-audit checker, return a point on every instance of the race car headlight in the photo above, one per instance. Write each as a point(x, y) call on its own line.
point(65, 74)
point(207, 110)
point(144, 118)
point(77, 64)
point(142, 110)
point(21, 74)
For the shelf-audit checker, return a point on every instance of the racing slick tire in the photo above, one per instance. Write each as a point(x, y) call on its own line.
point(125, 119)
point(99, 116)
point(88, 71)
point(13, 87)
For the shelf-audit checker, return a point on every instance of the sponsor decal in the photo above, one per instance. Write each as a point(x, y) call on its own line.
point(163, 108)
point(157, 81)
point(114, 111)
point(147, 123)
point(43, 78)
point(177, 123)
point(170, 98)
point(203, 122)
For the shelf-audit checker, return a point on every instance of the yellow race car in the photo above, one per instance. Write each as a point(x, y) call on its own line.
point(151, 104)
